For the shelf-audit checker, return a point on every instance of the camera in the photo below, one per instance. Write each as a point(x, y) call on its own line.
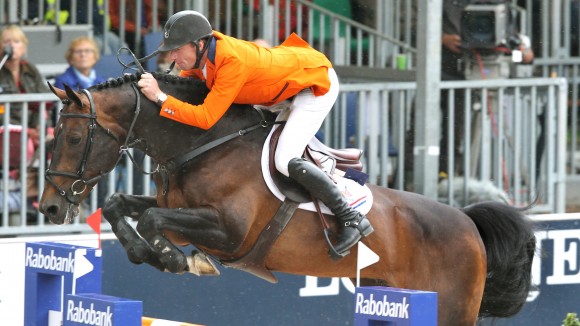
point(488, 25)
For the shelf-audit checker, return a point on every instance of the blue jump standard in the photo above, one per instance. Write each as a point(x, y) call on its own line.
point(53, 270)
point(383, 306)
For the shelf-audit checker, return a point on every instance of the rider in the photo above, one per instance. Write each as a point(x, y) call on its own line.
point(242, 72)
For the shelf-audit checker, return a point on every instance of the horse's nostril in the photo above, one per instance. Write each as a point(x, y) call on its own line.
point(51, 211)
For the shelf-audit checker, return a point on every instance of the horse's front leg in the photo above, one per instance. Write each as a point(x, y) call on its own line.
point(115, 210)
point(183, 226)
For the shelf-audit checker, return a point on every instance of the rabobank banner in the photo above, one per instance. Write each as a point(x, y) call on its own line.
point(49, 260)
point(94, 309)
point(391, 306)
point(54, 270)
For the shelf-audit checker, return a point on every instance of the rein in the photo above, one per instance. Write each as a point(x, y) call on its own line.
point(124, 149)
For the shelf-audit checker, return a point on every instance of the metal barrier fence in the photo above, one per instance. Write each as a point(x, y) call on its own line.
point(519, 145)
point(20, 159)
point(514, 136)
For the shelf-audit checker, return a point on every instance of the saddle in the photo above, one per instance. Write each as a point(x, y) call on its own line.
point(327, 158)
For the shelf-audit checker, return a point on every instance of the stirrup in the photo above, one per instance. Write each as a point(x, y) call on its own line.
point(362, 233)
point(335, 255)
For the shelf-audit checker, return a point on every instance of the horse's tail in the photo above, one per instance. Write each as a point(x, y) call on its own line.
point(510, 243)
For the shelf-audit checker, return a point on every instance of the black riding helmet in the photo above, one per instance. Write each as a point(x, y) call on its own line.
point(184, 27)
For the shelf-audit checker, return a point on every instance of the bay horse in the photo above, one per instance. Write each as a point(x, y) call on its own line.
point(478, 259)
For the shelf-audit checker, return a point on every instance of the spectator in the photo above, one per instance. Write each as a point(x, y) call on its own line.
point(82, 56)
point(453, 57)
point(453, 68)
point(18, 76)
point(108, 42)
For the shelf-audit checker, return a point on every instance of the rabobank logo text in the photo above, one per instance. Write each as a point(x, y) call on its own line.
point(49, 261)
point(382, 307)
point(88, 316)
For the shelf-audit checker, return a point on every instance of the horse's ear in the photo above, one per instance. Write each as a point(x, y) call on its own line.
point(72, 95)
point(57, 91)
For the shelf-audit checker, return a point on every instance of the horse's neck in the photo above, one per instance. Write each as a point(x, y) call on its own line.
point(165, 139)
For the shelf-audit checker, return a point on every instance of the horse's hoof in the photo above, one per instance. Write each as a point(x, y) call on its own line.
point(174, 264)
point(200, 264)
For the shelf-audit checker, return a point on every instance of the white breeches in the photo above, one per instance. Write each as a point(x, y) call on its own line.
point(306, 115)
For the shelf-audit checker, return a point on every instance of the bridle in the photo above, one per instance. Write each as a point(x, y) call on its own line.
point(80, 184)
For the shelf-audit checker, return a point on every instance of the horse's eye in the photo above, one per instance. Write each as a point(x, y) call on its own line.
point(66, 101)
point(74, 140)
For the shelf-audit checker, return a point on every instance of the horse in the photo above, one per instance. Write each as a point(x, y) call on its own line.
point(478, 258)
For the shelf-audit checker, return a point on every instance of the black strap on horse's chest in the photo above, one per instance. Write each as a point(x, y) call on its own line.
point(254, 261)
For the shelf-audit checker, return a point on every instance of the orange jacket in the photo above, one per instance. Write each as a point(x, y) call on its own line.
point(245, 73)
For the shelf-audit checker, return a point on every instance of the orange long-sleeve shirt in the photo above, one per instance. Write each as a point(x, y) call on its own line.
point(245, 73)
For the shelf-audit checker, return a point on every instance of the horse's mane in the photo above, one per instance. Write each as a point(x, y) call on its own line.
point(187, 89)
point(130, 78)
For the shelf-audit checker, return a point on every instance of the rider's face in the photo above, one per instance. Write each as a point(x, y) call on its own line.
point(185, 56)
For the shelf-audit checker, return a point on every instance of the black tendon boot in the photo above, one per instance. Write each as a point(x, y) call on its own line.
point(352, 224)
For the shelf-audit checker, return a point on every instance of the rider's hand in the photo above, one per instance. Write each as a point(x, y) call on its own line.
point(149, 87)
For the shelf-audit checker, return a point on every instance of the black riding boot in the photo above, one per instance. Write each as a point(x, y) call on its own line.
point(352, 224)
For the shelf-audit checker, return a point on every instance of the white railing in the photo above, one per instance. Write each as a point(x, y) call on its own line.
point(520, 145)
point(376, 118)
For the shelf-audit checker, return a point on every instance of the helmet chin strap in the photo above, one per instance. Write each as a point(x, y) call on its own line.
point(200, 53)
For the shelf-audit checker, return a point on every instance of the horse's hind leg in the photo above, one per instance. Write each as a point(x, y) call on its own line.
point(115, 210)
